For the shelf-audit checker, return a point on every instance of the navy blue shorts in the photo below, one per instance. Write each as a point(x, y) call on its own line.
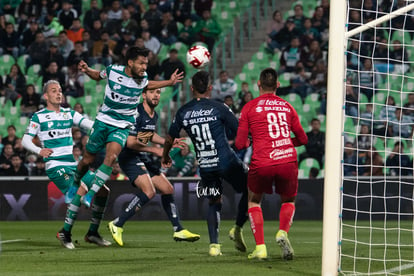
point(235, 174)
point(133, 167)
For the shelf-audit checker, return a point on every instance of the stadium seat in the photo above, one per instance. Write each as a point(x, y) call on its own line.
point(391, 142)
point(322, 118)
point(100, 91)
point(284, 79)
point(10, 19)
point(402, 36)
point(225, 19)
point(239, 78)
point(349, 124)
point(307, 111)
point(295, 100)
point(408, 86)
point(255, 90)
point(6, 62)
point(232, 8)
point(363, 99)
point(33, 73)
point(300, 150)
point(304, 122)
point(398, 97)
point(71, 101)
point(182, 50)
point(98, 66)
point(163, 52)
point(166, 94)
point(261, 60)
point(379, 97)
point(313, 101)
point(4, 123)
point(305, 166)
point(21, 61)
point(379, 144)
point(89, 86)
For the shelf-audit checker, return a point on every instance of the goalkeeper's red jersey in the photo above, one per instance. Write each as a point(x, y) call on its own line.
point(270, 119)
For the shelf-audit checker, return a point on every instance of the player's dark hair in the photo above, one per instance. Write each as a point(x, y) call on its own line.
point(268, 79)
point(134, 52)
point(201, 81)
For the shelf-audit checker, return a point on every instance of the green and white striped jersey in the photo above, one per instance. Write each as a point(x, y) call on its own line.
point(55, 132)
point(122, 95)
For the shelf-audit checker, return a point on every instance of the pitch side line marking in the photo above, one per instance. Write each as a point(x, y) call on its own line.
point(396, 269)
point(11, 241)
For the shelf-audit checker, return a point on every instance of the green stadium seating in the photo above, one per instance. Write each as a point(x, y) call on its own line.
point(304, 122)
point(307, 111)
point(261, 60)
point(33, 73)
point(313, 101)
point(10, 19)
point(363, 99)
point(349, 125)
point(322, 119)
point(379, 97)
point(284, 79)
point(300, 150)
point(21, 61)
point(4, 123)
point(6, 62)
point(182, 50)
point(305, 166)
point(403, 37)
point(166, 94)
point(295, 100)
point(71, 101)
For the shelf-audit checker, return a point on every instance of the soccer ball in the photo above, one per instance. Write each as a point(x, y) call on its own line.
point(198, 56)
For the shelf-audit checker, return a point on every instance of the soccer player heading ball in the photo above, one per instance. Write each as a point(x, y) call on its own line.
point(270, 119)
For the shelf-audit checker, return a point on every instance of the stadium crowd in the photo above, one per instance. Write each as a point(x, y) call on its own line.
point(58, 34)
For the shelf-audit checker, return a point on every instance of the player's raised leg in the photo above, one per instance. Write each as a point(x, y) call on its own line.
point(117, 140)
point(81, 170)
point(162, 184)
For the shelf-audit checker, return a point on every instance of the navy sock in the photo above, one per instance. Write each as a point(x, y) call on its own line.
point(171, 210)
point(242, 216)
point(213, 221)
point(137, 202)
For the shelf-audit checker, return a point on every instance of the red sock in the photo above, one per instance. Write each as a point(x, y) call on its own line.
point(287, 211)
point(256, 223)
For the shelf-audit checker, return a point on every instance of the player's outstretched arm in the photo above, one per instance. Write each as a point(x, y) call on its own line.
point(92, 73)
point(175, 78)
point(134, 144)
point(178, 142)
point(166, 161)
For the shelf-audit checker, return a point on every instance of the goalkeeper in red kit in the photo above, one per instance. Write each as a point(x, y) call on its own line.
point(270, 119)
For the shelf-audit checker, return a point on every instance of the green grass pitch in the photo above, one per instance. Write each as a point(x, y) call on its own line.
point(30, 248)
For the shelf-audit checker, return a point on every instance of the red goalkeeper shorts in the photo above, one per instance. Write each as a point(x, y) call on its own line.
point(283, 176)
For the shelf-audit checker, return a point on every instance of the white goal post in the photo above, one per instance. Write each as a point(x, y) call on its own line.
point(335, 120)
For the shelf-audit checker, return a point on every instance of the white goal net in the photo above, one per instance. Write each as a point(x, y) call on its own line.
point(376, 216)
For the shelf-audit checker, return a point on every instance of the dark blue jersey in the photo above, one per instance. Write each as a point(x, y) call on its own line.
point(209, 124)
point(143, 129)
